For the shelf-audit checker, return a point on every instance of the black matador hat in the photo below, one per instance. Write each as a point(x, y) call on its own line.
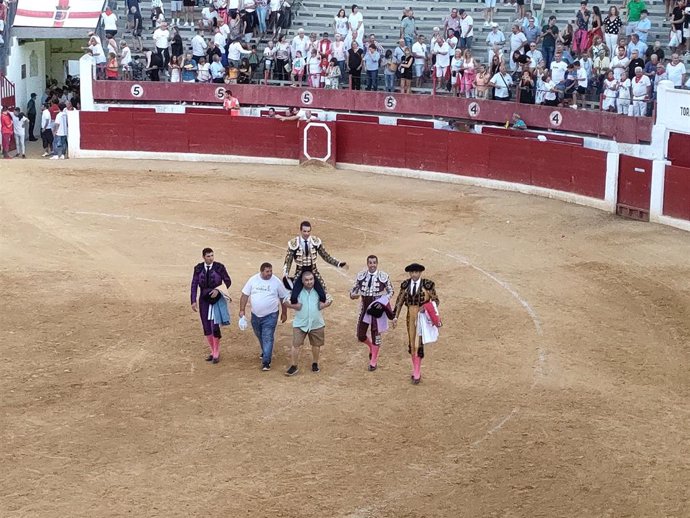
point(414, 267)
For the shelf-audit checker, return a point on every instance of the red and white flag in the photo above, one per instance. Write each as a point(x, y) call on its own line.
point(58, 13)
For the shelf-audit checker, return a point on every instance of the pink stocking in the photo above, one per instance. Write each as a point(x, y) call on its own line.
point(417, 366)
point(216, 347)
point(209, 339)
point(369, 345)
point(374, 355)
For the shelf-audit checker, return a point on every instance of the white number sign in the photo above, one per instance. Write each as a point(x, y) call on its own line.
point(390, 102)
point(137, 90)
point(555, 118)
point(307, 97)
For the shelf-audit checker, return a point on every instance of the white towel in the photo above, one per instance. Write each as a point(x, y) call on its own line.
point(425, 329)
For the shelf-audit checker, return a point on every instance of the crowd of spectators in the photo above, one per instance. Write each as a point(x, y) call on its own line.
point(597, 56)
point(46, 116)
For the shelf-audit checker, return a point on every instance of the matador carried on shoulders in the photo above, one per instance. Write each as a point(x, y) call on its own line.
point(304, 250)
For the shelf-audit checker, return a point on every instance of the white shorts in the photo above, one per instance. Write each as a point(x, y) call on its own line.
point(609, 102)
point(490, 3)
point(686, 32)
point(418, 70)
point(441, 71)
point(175, 5)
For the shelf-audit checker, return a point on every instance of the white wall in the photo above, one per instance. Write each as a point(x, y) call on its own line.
point(34, 82)
point(58, 52)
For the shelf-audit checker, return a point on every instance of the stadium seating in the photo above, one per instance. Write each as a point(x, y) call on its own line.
point(382, 17)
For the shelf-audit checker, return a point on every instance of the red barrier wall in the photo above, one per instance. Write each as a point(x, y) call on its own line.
point(590, 122)
point(557, 166)
point(677, 192)
point(554, 166)
point(208, 133)
point(679, 149)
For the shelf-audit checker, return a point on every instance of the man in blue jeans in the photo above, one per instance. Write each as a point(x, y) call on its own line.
point(267, 293)
point(372, 59)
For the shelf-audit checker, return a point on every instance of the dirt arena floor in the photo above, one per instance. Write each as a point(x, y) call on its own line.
point(559, 387)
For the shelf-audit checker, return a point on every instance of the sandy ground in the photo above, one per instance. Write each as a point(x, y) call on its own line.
point(559, 387)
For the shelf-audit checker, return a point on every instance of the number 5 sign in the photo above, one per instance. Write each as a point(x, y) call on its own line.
point(136, 90)
point(307, 97)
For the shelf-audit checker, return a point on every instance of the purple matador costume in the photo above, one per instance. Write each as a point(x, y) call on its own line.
point(208, 279)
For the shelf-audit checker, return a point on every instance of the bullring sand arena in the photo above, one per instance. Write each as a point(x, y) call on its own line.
point(559, 386)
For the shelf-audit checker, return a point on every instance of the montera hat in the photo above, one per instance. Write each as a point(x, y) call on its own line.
point(414, 267)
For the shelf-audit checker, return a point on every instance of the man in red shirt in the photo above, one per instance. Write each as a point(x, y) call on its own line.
point(54, 109)
point(7, 130)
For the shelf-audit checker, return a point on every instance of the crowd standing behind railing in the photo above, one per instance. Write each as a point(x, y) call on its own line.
point(592, 57)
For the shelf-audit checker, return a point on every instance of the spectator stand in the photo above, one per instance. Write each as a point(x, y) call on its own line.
point(383, 19)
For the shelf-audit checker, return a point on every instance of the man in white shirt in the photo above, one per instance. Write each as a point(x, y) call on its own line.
point(220, 40)
point(109, 23)
point(582, 82)
point(300, 43)
point(161, 38)
point(46, 130)
point(199, 46)
point(20, 124)
point(419, 50)
point(60, 131)
point(517, 43)
point(209, 17)
point(641, 92)
point(676, 71)
point(441, 50)
point(495, 40)
point(466, 30)
point(558, 70)
point(235, 52)
point(267, 294)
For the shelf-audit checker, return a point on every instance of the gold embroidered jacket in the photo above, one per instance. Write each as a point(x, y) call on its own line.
point(296, 253)
point(426, 293)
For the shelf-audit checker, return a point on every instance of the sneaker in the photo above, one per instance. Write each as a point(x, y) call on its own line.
point(573, 106)
point(62, 157)
point(45, 154)
point(266, 367)
point(315, 367)
point(54, 157)
point(292, 370)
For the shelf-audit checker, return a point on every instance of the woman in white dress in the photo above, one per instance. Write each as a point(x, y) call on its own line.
point(340, 24)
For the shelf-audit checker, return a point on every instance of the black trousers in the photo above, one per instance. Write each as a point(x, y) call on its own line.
point(47, 137)
point(165, 55)
point(356, 79)
point(32, 125)
point(297, 287)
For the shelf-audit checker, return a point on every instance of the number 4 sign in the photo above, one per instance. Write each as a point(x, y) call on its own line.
point(555, 118)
